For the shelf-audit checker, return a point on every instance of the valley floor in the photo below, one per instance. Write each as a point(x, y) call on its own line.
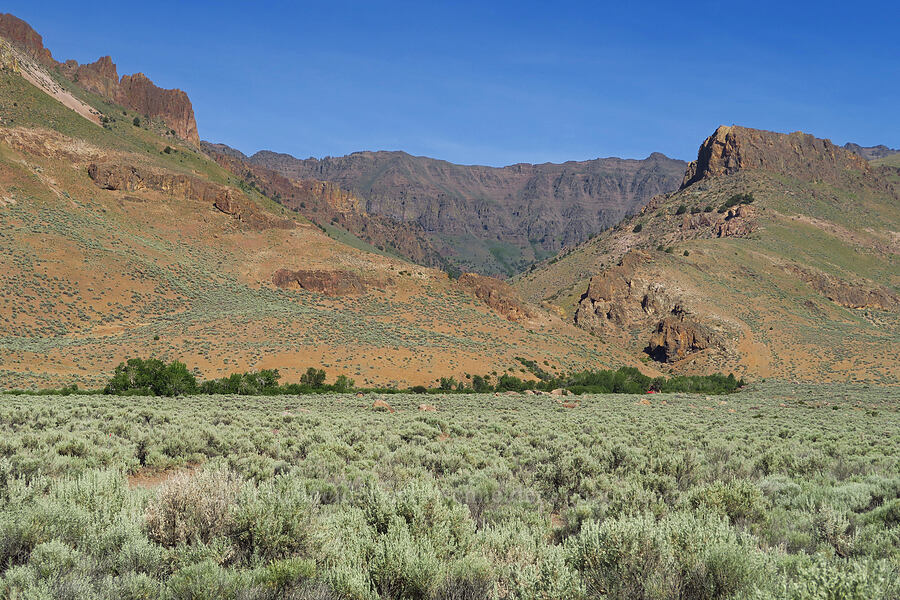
point(779, 491)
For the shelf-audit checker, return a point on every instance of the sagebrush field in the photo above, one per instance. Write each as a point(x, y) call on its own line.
point(779, 491)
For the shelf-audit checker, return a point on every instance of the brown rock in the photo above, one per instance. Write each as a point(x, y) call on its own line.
point(848, 295)
point(172, 106)
point(126, 178)
point(136, 91)
point(678, 336)
point(382, 405)
point(739, 222)
point(799, 155)
point(498, 295)
point(27, 39)
point(333, 283)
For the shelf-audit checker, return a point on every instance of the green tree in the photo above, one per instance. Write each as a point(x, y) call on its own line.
point(313, 377)
point(343, 384)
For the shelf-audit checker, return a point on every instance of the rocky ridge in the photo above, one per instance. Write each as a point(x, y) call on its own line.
point(128, 178)
point(325, 203)
point(732, 149)
point(136, 92)
point(488, 219)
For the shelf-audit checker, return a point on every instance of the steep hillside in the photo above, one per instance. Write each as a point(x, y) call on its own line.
point(135, 92)
point(327, 205)
point(492, 220)
point(119, 240)
point(777, 257)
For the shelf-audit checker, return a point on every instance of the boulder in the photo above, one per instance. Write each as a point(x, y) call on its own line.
point(382, 405)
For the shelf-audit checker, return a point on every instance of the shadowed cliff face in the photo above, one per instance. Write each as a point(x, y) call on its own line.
point(136, 92)
point(523, 208)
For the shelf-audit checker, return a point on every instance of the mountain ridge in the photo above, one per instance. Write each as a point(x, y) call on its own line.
point(521, 211)
point(135, 91)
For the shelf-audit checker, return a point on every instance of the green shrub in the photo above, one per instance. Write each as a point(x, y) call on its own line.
point(683, 556)
point(638, 228)
point(738, 500)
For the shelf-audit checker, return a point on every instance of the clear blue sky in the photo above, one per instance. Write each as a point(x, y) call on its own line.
point(500, 82)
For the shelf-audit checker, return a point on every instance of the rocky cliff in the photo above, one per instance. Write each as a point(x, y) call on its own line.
point(22, 35)
point(136, 92)
point(492, 220)
point(800, 155)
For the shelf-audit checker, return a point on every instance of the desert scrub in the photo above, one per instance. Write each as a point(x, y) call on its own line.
point(671, 495)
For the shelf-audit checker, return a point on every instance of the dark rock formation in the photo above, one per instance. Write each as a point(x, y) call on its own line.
point(678, 336)
point(798, 155)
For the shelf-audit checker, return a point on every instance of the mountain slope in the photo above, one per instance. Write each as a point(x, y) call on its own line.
point(135, 92)
point(778, 257)
point(119, 240)
point(492, 220)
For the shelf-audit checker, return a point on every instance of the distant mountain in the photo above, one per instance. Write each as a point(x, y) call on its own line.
point(778, 257)
point(486, 219)
point(871, 152)
point(136, 91)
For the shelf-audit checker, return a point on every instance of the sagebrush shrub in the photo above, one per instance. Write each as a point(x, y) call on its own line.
point(193, 507)
point(684, 556)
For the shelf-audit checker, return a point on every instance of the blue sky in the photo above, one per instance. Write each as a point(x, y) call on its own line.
point(500, 82)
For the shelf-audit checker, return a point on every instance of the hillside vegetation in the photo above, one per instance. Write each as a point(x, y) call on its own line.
point(118, 239)
point(779, 257)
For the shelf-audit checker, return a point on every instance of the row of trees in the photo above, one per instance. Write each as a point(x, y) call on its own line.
point(153, 377)
point(625, 380)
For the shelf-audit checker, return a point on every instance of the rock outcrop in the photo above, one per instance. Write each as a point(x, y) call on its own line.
point(678, 336)
point(332, 283)
point(326, 203)
point(623, 301)
point(27, 39)
point(739, 222)
point(172, 106)
point(127, 178)
point(498, 295)
point(848, 295)
point(799, 155)
point(136, 91)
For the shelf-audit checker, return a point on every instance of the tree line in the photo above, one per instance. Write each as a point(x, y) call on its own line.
point(153, 377)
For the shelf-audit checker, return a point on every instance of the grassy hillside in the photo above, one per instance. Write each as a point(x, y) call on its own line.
point(90, 276)
point(776, 287)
